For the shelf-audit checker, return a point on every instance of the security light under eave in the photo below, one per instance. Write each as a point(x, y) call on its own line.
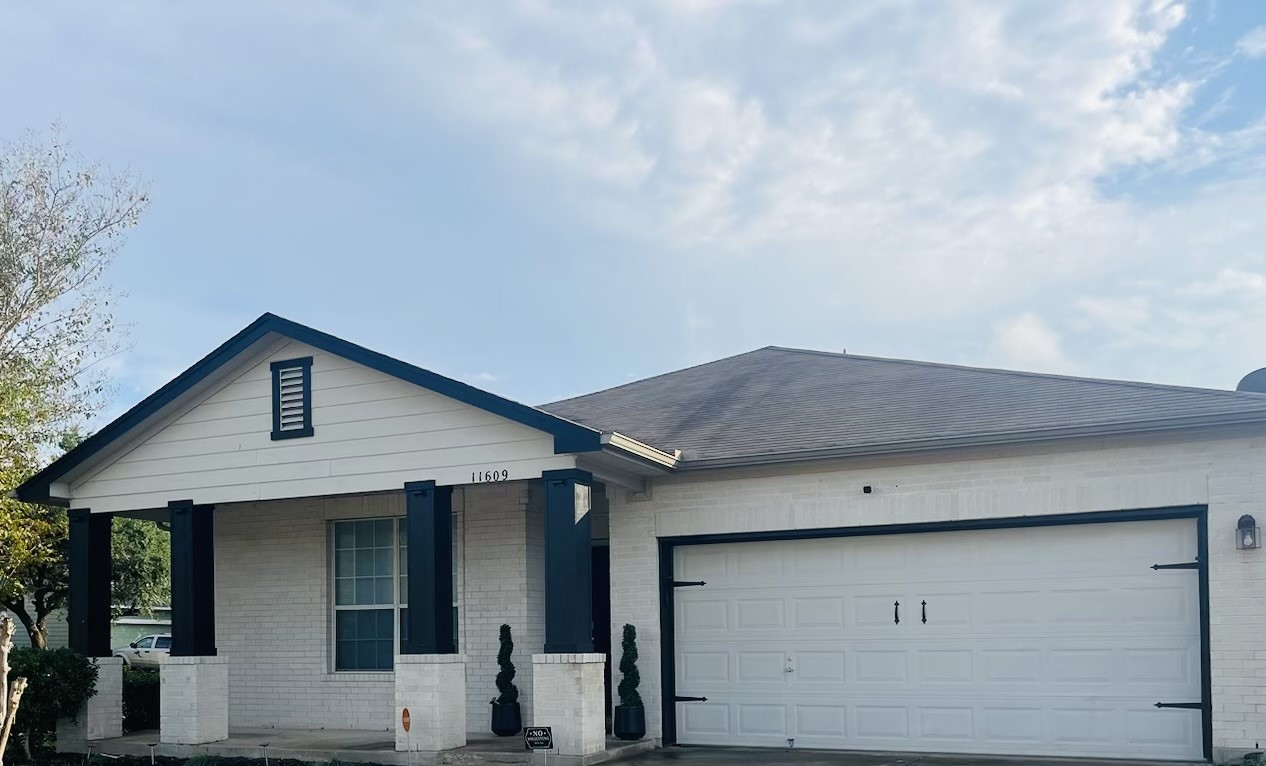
point(1247, 535)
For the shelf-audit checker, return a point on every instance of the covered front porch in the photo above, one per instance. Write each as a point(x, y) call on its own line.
point(348, 534)
point(316, 622)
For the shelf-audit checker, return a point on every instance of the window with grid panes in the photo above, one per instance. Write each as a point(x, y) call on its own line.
point(371, 587)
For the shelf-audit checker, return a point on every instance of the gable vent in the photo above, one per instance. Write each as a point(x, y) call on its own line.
point(292, 398)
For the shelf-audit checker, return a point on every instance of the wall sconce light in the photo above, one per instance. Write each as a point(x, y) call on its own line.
point(1247, 535)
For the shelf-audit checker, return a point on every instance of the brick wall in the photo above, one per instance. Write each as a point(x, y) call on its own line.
point(1228, 474)
point(274, 621)
point(504, 571)
point(274, 614)
point(427, 686)
point(570, 685)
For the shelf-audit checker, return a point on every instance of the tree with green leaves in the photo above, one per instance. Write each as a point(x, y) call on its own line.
point(62, 220)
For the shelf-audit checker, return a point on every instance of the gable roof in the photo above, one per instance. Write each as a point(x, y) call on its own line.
point(568, 436)
point(777, 404)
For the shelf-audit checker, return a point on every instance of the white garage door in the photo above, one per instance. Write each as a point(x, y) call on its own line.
point(1041, 640)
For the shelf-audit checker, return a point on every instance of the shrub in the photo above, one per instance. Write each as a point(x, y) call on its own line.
point(629, 696)
point(59, 681)
point(140, 698)
point(508, 692)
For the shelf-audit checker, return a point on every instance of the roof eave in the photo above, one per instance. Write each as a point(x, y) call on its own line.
point(978, 440)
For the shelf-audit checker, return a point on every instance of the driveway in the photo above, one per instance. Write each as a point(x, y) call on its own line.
point(726, 756)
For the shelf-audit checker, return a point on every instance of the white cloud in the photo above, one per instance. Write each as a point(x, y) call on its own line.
point(918, 167)
point(1027, 342)
point(1253, 44)
point(1000, 180)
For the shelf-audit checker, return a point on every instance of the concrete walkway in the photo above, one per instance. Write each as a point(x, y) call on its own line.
point(741, 756)
point(323, 745)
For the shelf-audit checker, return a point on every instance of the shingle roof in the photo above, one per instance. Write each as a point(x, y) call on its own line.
point(781, 401)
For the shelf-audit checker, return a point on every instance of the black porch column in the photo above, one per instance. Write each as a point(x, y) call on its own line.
point(192, 579)
point(568, 579)
point(90, 577)
point(429, 562)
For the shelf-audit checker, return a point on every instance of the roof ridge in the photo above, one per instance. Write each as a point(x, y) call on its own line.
point(1029, 374)
point(658, 375)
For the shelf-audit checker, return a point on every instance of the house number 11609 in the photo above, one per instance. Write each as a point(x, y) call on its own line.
point(493, 475)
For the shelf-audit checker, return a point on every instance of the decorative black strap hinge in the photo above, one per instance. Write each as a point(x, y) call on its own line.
point(1184, 705)
point(687, 583)
point(1183, 565)
point(690, 699)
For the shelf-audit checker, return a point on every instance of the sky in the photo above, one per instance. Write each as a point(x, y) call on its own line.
point(545, 199)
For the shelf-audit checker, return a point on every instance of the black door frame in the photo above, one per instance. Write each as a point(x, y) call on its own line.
point(668, 545)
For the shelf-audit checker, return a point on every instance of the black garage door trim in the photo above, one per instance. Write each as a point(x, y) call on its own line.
point(667, 648)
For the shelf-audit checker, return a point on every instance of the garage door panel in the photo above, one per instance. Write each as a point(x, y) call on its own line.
point(881, 722)
point(818, 613)
point(759, 561)
point(945, 723)
point(1155, 667)
point(704, 667)
point(995, 726)
point(825, 721)
point(1051, 652)
point(760, 667)
point(707, 723)
point(763, 720)
point(889, 667)
point(759, 614)
point(1080, 666)
point(706, 564)
point(1162, 729)
point(944, 666)
point(824, 666)
point(703, 615)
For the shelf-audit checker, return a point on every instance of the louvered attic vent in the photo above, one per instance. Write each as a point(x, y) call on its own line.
point(292, 398)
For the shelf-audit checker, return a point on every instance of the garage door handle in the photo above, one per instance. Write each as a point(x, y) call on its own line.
point(925, 611)
point(896, 612)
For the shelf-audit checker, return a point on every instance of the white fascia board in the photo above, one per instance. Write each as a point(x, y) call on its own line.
point(618, 444)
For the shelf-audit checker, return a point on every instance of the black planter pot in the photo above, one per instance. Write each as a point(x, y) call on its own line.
point(506, 720)
point(630, 722)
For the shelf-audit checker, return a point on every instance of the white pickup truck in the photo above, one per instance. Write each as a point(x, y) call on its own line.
point(146, 651)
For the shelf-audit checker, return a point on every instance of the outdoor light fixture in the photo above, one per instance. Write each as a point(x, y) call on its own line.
point(1247, 535)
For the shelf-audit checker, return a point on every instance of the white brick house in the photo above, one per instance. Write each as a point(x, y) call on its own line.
point(817, 550)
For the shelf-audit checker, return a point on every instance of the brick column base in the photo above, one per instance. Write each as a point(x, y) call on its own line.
point(568, 693)
point(194, 700)
point(432, 687)
point(102, 716)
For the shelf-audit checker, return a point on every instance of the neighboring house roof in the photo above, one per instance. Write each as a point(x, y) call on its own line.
point(777, 404)
point(568, 436)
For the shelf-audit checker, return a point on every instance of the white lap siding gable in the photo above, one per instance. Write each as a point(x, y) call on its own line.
point(372, 432)
point(1227, 474)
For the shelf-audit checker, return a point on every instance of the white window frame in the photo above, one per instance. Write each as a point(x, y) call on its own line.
point(399, 599)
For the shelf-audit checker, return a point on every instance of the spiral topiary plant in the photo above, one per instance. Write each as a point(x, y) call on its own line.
point(629, 696)
point(508, 693)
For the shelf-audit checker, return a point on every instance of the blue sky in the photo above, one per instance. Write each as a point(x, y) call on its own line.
point(550, 198)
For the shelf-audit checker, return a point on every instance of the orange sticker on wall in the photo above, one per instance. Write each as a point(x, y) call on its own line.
point(404, 720)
